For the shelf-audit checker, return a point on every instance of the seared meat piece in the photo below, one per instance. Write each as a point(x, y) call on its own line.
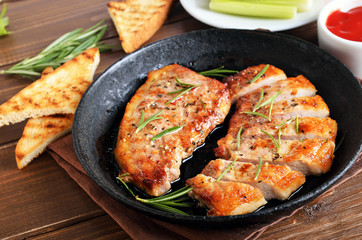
point(311, 156)
point(239, 83)
point(225, 197)
point(301, 107)
point(308, 127)
point(152, 164)
point(275, 181)
point(292, 87)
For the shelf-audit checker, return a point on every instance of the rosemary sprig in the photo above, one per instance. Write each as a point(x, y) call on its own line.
point(258, 169)
point(284, 123)
point(167, 131)
point(340, 142)
point(257, 105)
point(186, 87)
point(238, 137)
point(226, 170)
point(203, 104)
point(184, 84)
point(269, 101)
point(142, 123)
point(4, 22)
point(258, 114)
point(63, 49)
point(272, 138)
point(279, 136)
point(217, 72)
point(259, 74)
point(130, 190)
point(166, 202)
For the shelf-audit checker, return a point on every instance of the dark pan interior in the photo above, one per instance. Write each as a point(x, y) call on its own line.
point(101, 109)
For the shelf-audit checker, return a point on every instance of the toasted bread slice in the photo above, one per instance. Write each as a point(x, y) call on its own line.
point(38, 133)
point(137, 20)
point(57, 92)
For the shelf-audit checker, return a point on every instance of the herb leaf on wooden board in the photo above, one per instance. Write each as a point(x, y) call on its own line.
point(4, 22)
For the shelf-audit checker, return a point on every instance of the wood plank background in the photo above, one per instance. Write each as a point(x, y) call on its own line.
point(43, 202)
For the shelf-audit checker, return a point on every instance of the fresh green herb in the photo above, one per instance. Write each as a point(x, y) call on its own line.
point(167, 131)
point(166, 202)
point(226, 170)
point(203, 104)
point(4, 22)
point(297, 125)
point(284, 123)
point(238, 137)
point(61, 50)
point(141, 119)
point(186, 87)
point(184, 84)
point(279, 135)
point(272, 138)
point(259, 167)
point(269, 101)
point(119, 178)
point(167, 208)
point(260, 74)
point(142, 123)
point(340, 142)
point(218, 72)
point(257, 106)
point(258, 114)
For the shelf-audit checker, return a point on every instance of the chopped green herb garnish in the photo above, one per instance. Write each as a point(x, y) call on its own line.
point(270, 100)
point(258, 114)
point(187, 87)
point(203, 104)
point(142, 123)
point(340, 142)
point(297, 125)
point(279, 135)
point(260, 74)
point(258, 169)
point(167, 131)
point(272, 138)
point(217, 72)
point(227, 169)
point(184, 84)
point(284, 123)
point(238, 137)
point(259, 101)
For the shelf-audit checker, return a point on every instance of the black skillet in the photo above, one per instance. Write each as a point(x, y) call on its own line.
point(101, 108)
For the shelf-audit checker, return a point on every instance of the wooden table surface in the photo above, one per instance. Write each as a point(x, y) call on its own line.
point(43, 202)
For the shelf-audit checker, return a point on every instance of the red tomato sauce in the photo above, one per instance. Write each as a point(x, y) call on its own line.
point(347, 25)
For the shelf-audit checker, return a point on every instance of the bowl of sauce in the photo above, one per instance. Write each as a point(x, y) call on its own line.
point(340, 32)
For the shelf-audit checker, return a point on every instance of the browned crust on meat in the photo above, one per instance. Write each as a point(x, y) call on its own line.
point(152, 165)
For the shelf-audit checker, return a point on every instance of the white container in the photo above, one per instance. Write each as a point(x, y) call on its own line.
point(347, 51)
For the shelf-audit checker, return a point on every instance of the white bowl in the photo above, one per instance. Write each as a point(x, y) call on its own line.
point(347, 51)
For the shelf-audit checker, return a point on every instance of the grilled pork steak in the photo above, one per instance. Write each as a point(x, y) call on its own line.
point(152, 162)
point(275, 181)
point(225, 198)
point(279, 133)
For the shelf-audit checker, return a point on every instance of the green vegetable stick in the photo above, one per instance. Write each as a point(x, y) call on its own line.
point(253, 9)
point(302, 5)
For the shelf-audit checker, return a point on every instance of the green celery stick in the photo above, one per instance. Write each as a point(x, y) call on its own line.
point(302, 5)
point(253, 9)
